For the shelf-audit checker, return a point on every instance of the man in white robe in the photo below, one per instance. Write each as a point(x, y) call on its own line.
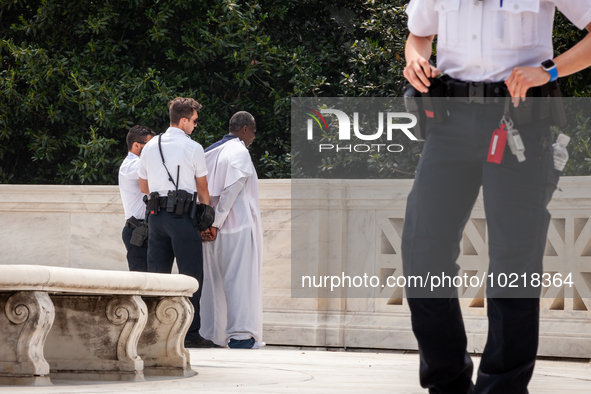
point(232, 301)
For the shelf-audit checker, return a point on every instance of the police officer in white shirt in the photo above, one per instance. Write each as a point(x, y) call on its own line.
point(174, 163)
point(493, 52)
point(132, 196)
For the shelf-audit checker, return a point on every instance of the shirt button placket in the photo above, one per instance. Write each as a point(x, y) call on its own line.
point(476, 37)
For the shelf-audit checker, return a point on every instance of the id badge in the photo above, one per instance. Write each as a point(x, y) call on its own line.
point(497, 145)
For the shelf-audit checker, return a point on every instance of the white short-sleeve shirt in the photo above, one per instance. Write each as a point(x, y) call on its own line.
point(482, 41)
point(179, 151)
point(129, 187)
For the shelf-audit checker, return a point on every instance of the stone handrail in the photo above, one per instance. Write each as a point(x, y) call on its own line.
point(92, 324)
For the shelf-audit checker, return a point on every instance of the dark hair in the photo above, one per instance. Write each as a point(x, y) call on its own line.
point(138, 134)
point(182, 107)
point(241, 119)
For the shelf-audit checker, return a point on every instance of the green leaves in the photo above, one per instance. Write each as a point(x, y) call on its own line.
point(578, 128)
point(93, 165)
point(75, 76)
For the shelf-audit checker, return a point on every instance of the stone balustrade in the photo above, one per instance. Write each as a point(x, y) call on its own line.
point(354, 226)
point(71, 323)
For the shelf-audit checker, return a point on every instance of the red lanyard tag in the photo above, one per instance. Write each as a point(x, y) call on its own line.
point(497, 145)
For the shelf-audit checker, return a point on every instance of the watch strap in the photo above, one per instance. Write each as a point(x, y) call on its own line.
point(553, 74)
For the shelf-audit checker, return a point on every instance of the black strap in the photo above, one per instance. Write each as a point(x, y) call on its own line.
point(176, 185)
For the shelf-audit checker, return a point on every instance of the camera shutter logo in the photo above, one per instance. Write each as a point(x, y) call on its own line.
point(317, 117)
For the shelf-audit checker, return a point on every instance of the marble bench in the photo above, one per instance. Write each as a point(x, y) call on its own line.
point(91, 324)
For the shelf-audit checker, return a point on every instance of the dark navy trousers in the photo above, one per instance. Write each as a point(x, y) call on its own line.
point(173, 236)
point(137, 256)
point(452, 169)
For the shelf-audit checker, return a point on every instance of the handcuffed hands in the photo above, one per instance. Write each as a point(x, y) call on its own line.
point(209, 235)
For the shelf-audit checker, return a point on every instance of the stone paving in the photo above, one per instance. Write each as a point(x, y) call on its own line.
point(307, 370)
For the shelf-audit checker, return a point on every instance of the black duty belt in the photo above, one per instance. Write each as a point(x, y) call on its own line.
point(454, 90)
point(177, 201)
point(476, 92)
point(179, 207)
point(128, 224)
point(489, 92)
point(133, 222)
point(162, 202)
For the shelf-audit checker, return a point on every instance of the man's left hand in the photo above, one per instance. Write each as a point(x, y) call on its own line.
point(523, 78)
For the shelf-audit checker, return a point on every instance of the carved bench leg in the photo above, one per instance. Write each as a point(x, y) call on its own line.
point(96, 337)
point(161, 345)
point(26, 319)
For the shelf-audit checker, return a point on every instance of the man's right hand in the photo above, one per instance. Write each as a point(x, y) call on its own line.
point(418, 71)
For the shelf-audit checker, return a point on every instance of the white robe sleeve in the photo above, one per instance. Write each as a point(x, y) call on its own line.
point(226, 202)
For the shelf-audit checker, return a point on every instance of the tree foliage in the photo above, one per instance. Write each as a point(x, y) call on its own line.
point(76, 75)
point(576, 89)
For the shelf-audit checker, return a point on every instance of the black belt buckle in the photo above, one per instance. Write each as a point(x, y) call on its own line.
point(476, 92)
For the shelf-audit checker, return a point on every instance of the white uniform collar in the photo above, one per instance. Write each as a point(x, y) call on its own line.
point(132, 155)
point(176, 130)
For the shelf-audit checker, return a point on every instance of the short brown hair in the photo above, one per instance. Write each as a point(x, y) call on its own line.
point(138, 134)
point(182, 107)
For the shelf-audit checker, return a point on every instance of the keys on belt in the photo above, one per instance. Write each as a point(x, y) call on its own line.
point(514, 139)
point(506, 132)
